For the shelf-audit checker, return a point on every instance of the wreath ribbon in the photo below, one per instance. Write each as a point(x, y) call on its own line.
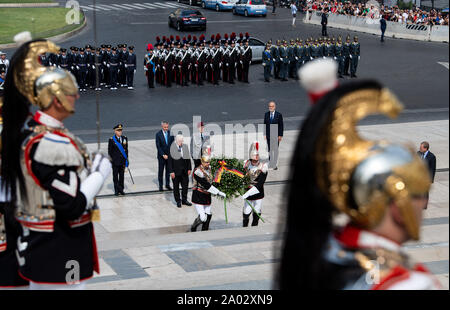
point(223, 168)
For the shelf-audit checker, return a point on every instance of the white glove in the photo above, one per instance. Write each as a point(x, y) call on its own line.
point(252, 191)
point(71, 67)
point(134, 70)
point(264, 64)
point(102, 164)
point(107, 65)
point(296, 58)
point(145, 69)
point(241, 62)
point(350, 56)
point(222, 194)
point(311, 58)
point(324, 57)
point(78, 68)
point(93, 67)
point(359, 57)
point(335, 58)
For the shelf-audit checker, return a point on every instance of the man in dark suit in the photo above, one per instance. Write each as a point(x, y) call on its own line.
point(118, 151)
point(324, 22)
point(163, 141)
point(430, 160)
point(273, 121)
point(179, 166)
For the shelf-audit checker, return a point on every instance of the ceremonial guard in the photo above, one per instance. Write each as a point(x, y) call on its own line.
point(225, 52)
point(51, 177)
point(122, 71)
point(284, 61)
point(4, 62)
point(239, 64)
point(81, 65)
point(292, 66)
point(246, 59)
point(150, 66)
point(233, 59)
point(98, 67)
point(118, 151)
point(300, 55)
point(90, 54)
point(130, 66)
point(267, 62)
point(216, 61)
point(10, 230)
point(185, 63)
point(379, 187)
point(167, 64)
point(257, 171)
point(355, 55)
point(339, 56)
point(202, 189)
point(276, 58)
point(113, 66)
point(346, 53)
point(63, 60)
point(200, 56)
point(209, 61)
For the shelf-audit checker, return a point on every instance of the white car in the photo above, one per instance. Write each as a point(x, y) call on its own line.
point(218, 5)
point(257, 47)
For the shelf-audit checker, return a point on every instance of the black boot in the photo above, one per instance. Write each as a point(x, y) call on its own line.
point(197, 222)
point(245, 220)
point(255, 219)
point(205, 225)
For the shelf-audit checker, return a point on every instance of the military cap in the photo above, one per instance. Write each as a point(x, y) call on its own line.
point(114, 48)
point(75, 49)
point(63, 49)
point(81, 49)
point(131, 47)
point(124, 45)
point(98, 49)
point(108, 46)
point(118, 127)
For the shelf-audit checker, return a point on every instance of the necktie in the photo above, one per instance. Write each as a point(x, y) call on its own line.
point(271, 117)
point(165, 136)
point(201, 135)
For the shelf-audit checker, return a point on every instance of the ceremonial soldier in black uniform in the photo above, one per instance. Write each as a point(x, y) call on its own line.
point(150, 66)
point(202, 189)
point(299, 55)
point(233, 59)
point(246, 58)
point(355, 52)
point(44, 59)
point(118, 151)
point(185, 63)
point(63, 60)
point(216, 59)
point(122, 71)
point(200, 63)
point(346, 53)
point(98, 67)
point(167, 64)
point(81, 65)
point(113, 66)
point(257, 171)
point(130, 66)
point(54, 189)
point(225, 58)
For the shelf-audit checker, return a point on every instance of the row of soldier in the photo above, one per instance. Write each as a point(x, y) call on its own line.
point(198, 61)
point(116, 66)
point(285, 60)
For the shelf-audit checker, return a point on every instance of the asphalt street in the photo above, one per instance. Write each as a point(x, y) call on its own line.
point(411, 69)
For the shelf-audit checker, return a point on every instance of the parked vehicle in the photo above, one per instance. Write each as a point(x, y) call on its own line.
point(250, 7)
point(187, 18)
point(218, 5)
point(190, 2)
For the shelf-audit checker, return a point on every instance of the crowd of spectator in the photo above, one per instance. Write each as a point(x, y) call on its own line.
point(414, 15)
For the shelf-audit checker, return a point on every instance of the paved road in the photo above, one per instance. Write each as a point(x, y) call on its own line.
point(416, 71)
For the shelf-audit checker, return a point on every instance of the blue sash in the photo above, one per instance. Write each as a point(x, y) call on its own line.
point(121, 150)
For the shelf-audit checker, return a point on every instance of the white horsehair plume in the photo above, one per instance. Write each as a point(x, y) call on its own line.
point(22, 37)
point(319, 77)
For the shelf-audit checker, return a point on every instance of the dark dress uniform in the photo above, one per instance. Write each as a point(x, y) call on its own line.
point(225, 63)
point(339, 57)
point(346, 54)
point(91, 69)
point(130, 66)
point(355, 52)
point(284, 61)
point(216, 57)
point(149, 64)
point(113, 66)
point(185, 62)
point(246, 57)
point(267, 62)
point(119, 162)
point(274, 57)
point(82, 63)
point(63, 61)
point(292, 61)
point(233, 59)
point(98, 65)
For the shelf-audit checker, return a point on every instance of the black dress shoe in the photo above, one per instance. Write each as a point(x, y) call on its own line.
point(168, 187)
point(122, 193)
point(178, 204)
point(187, 203)
point(160, 189)
point(116, 194)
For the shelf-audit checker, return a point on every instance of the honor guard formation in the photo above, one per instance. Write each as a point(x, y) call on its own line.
point(285, 60)
point(196, 61)
point(116, 65)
